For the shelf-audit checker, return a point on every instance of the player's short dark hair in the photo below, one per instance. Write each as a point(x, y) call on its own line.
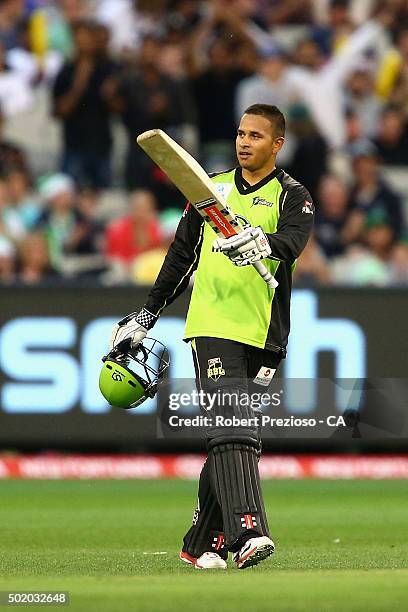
point(272, 113)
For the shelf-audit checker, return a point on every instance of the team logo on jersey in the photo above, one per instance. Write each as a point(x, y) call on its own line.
point(307, 208)
point(223, 189)
point(257, 201)
point(215, 369)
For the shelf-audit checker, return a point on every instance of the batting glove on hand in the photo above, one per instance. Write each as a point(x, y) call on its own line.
point(132, 328)
point(245, 248)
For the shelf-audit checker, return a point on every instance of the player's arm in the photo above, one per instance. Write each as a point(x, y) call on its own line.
point(180, 262)
point(294, 226)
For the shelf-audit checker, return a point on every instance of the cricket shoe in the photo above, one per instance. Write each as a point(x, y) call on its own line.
point(208, 560)
point(253, 552)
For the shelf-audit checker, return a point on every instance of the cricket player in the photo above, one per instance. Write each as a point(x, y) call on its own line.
point(238, 328)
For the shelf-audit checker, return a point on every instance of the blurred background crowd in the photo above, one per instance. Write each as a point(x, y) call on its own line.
point(80, 79)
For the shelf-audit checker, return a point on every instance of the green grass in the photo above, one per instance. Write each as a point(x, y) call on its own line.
point(340, 546)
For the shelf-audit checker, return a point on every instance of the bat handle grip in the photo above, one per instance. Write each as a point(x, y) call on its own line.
point(266, 275)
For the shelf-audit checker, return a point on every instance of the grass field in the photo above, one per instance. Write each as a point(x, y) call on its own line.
point(340, 546)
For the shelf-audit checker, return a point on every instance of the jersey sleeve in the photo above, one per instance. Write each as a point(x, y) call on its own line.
point(180, 262)
point(294, 226)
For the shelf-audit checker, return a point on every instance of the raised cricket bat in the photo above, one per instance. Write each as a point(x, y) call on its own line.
point(193, 182)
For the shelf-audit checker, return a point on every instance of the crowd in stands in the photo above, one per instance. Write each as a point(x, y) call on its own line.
point(112, 69)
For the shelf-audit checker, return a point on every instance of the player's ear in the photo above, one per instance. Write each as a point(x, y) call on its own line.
point(278, 144)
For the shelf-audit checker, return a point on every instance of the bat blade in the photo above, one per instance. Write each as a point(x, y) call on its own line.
point(195, 184)
point(191, 179)
point(181, 167)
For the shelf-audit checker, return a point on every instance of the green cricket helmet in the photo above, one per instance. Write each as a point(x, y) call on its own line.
point(130, 375)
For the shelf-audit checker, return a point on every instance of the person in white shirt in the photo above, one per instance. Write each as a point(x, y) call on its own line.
point(15, 93)
point(271, 84)
point(321, 84)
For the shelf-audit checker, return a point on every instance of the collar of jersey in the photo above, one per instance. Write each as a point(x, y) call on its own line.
point(244, 187)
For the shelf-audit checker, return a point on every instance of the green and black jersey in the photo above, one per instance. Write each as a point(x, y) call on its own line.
point(231, 302)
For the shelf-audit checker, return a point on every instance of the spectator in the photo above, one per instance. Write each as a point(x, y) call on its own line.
point(84, 98)
point(393, 77)
point(136, 233)
point(379, 261)
point(32, 59)
point(11, 19)
point(15, 93)
point(312, 267)
point(150, 99)
point(361, 99)
point(358, 267)
point(34, 262)
point(371, 195)
point(309, 156)
point(7, 261)
point(399, 264)
point(321, 82)
point(11, 155)
point(127, 25)
point(21, 197)
point(66, 229)
point(11, 226)
point(87, 207)
point(331, 35)
point(246, 57)
point(215, 78)
point(396, 12)
point(331, 215)
point(184, 64)
point(355, 139)
point(182, 17)
point(147, 266)
point(60, 19)
point(217, 129)
point(270, 85)
point(282, 12)
point(392, 138)
point(171, 61)
point(379, 236)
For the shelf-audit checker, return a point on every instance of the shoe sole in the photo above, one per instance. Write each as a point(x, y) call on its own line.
point(256, 555)
point(199, 567)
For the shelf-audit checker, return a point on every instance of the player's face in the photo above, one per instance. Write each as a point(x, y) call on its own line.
point(256, 144)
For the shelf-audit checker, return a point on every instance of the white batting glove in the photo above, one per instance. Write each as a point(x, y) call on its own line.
point(245, 248)
point(133, 327)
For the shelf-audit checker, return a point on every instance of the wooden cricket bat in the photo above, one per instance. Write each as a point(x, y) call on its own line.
point(193, 182)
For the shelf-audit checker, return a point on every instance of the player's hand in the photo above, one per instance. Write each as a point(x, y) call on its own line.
point(132, 328)
point(245, 248)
